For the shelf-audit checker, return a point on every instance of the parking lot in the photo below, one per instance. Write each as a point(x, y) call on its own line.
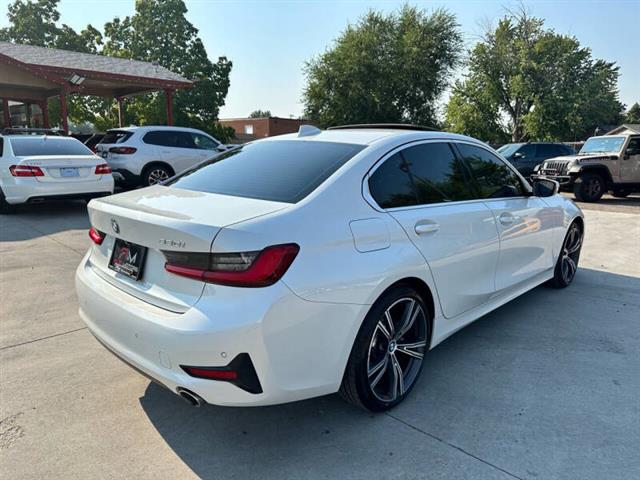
point(544, 387)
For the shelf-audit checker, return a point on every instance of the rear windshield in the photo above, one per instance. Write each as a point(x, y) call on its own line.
point(29, 146)
point(281, 171)
point(116, 136)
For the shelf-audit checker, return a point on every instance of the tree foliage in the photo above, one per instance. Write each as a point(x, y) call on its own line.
point(633, 114)
point(260, 114)
point(157, 32)
point(532, 83)
point(385, 68)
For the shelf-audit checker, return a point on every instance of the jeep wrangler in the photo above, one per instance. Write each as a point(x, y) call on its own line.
point(609, 162)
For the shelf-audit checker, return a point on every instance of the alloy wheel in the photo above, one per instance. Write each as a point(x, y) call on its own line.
point(594, 187)
point(571, 253)
point(157, 175)
point(397, 349)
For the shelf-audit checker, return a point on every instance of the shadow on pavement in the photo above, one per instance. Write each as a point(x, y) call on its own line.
point(533, 388)
point(32, 221)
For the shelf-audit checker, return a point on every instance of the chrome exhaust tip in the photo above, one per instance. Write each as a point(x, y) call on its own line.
point(191, 398)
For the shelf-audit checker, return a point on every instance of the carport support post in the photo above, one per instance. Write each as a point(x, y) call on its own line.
point(168, 97)
point(63, 112)
point(120, 101)
point(44, 106)
point(7, 115)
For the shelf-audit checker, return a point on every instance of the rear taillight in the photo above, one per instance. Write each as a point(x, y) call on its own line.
point(103, 169)
point(96, 236)
point(243, 269)
point(123, 150)
point(25, 171)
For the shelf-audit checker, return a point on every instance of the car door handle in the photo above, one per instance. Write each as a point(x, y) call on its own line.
point(424, 228)
point(506, 219)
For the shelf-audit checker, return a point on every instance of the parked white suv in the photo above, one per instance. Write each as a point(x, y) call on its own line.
point(148, 155)
point(608, 162)
point(34, 168)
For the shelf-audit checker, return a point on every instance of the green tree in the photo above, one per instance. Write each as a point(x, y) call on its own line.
point(177, 48)
point(633, 114)
point(385, 68)
point(140, 37)
point(260, 114)
point(532, 83)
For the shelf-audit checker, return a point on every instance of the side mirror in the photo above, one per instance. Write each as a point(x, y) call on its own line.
point(518, 155)
point(543, 187)
point(221, 148)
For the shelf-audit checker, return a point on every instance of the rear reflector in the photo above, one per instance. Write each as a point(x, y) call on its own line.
point(96, 236)
point(103, 169)
point(239, 372)
point(25, 171)
point(212, 373)
point(242, 269)
point(123, 150)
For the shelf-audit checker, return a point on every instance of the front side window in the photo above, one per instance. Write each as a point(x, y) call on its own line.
point(493, 178)
point(528, 151)
point(31, 146)
point(203, 143)
point(279, 170)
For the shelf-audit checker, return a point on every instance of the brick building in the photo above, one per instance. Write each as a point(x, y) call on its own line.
point(248, 129)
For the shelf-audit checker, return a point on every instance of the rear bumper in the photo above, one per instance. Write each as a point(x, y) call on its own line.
point(298, 348)
point(26, 190)
point(125, 177)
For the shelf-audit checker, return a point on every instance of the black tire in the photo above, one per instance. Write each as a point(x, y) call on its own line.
point(399, 348)
point(6, 208)
point(589, 187)
point(156, 172)
point(569, 256)
point(620, 193)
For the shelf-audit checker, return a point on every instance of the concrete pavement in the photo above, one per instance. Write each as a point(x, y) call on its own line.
point(545, 387)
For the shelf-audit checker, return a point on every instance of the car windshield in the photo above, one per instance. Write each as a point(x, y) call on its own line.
point(602, 145)
point(31, 146)
point(509, 149)
point(276, 170)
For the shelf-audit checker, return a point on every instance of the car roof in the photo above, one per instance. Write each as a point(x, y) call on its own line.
point(142, 128)
point(368, 136)
point(40, 137)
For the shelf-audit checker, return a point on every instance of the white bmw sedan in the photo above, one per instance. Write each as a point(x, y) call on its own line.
point(318, 262)
point(34, 168)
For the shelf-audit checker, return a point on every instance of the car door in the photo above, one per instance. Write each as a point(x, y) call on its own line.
point(425, 188)
point(630, 162)
point(525, 223)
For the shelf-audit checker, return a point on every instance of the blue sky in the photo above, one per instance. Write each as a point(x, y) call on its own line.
point(269, 41)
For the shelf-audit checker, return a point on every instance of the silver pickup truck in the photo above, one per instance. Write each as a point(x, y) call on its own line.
point(609, 162)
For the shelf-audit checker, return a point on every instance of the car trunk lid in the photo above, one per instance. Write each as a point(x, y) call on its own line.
point(64, 168)
point(160, 219)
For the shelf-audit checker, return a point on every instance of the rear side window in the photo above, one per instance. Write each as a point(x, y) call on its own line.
point(420, 175)
point(493, 178)
point(116, 136)
point(160, 137)
point(30, 146)
point(391, 186)
point(550, 150)
point(281, 171)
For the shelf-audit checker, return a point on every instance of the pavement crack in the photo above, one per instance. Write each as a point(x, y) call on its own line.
point(42, 338)
point(460, 449)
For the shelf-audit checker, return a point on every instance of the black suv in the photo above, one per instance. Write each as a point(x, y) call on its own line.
point(525, 156)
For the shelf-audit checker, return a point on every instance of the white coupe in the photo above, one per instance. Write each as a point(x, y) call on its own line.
point(317, 262)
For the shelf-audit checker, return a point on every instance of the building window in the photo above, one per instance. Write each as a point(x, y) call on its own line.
point(248, 129)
